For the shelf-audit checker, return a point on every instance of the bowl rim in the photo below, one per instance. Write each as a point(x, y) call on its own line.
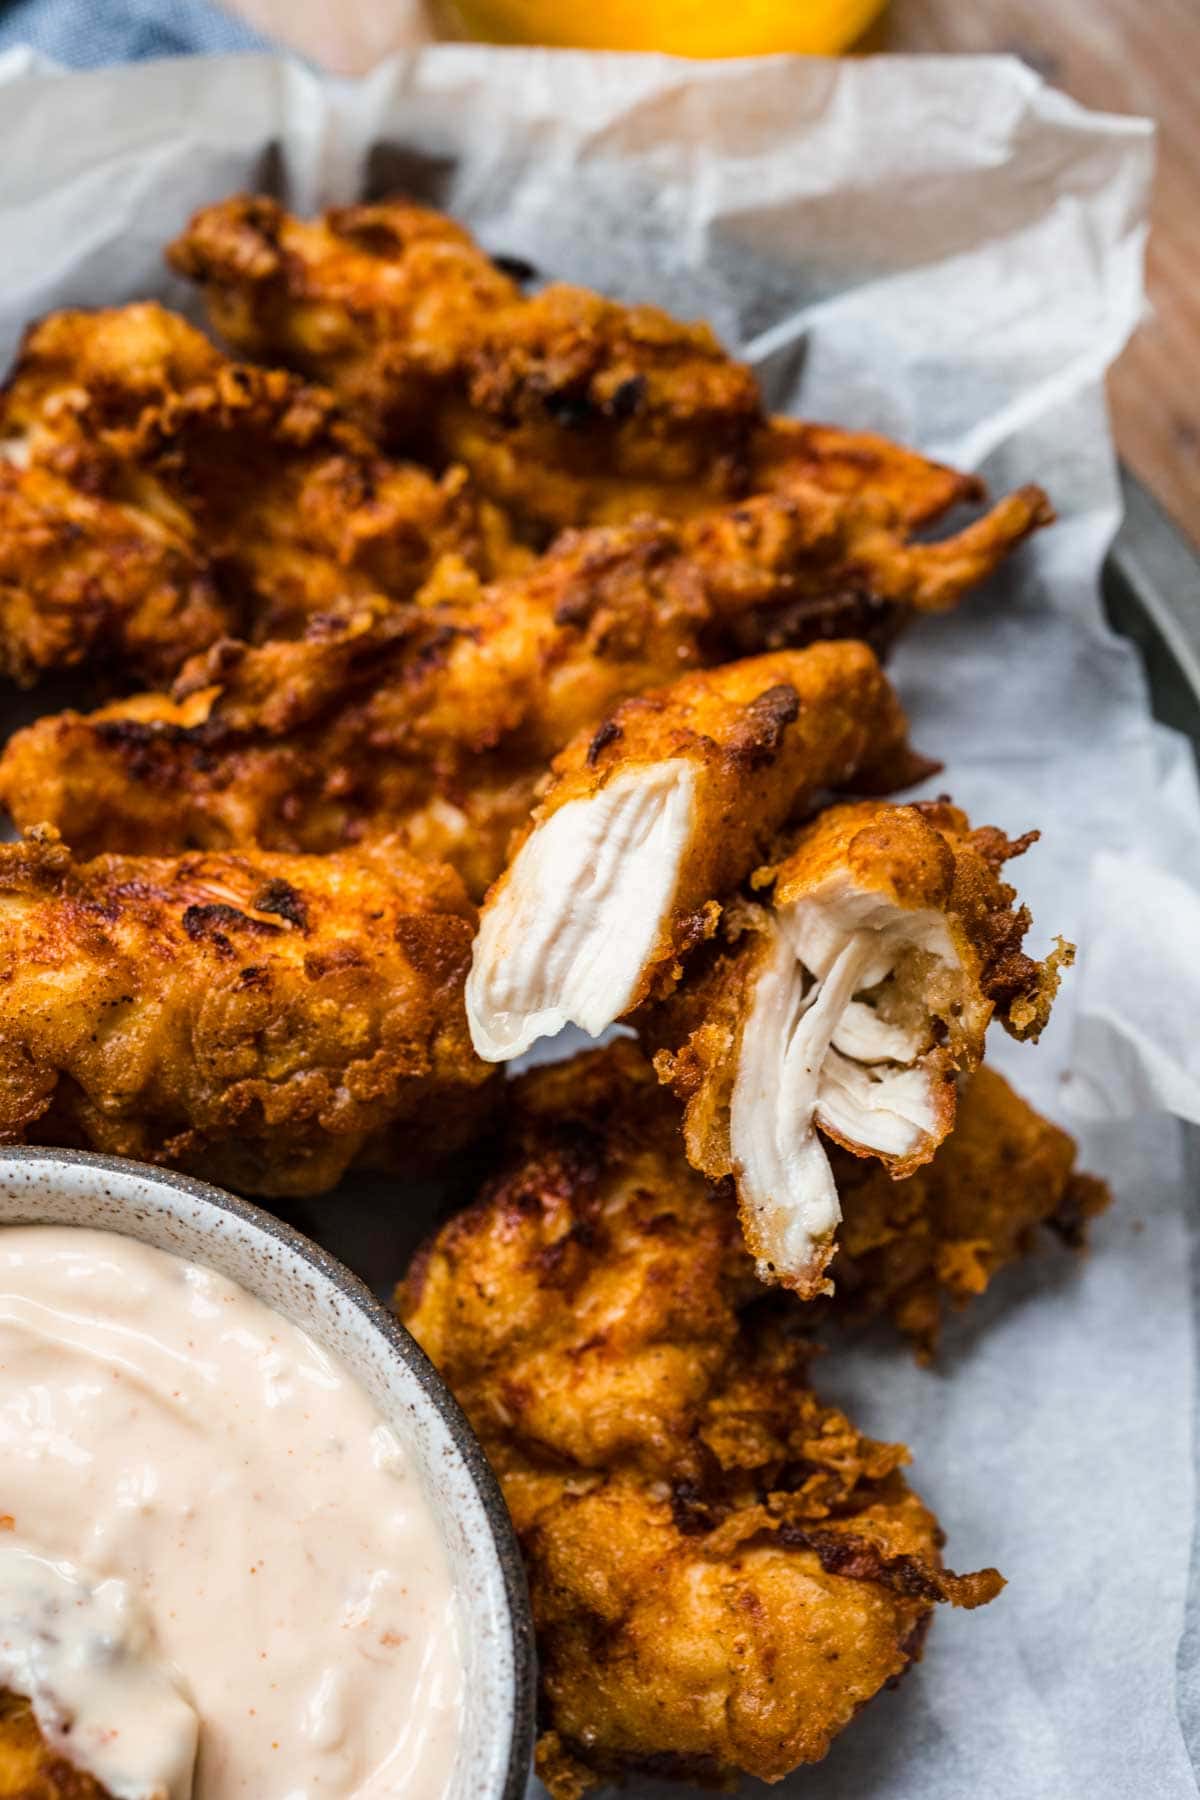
point(403, 1345)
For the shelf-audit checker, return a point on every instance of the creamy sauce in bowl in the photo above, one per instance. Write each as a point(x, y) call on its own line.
point(238, 1531)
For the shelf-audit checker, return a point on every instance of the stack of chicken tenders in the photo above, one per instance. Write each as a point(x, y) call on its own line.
point(462, 659)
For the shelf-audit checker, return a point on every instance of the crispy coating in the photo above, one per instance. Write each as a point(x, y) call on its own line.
point(910, 1249)
point(553, 401)
point(79, 373)
point(437, 719)
point(918, 491)
point(88, 580)
point(723, 1570)
point(803, 545)
point(862, 871)
point(29, 1769)
point(255, 1019)
point(568, 409)
point(278, 502)
point(300, 515)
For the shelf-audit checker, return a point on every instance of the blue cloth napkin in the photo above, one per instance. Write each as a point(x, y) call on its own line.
point(84, 34)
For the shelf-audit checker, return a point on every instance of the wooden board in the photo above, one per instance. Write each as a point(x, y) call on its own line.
point(1118, 55)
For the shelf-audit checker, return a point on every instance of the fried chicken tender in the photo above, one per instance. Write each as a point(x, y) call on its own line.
point(88, 580)
point(850, 1003)
point(278, 502)
point(255, 1019)
point(653, 820)
point(722, 1569)
point(29, 1769)
point(909, 1249)
point(438, 718)
point(568, 409)
point(553, 402)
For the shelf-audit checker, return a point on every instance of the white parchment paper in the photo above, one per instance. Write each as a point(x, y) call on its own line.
point(950, 252)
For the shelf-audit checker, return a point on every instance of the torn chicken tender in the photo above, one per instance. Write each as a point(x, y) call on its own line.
point(651, 821)
point(846, 1010)
point(258, 1020)
point(912, 1249)
point(29, 1768)
point(723, 1571)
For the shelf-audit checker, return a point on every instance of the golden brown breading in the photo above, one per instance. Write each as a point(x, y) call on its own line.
point(723, 1570)
point(298, 512)
point(87, 580)
point(254, 1019)
point(553, 402)
point(29, 1769)
point(784, 548)
point(909, 1249)
point(79, 373)
point(377, 301)
point(568, 409)
point(252, 472)
point(918, 491)
point(851, 1001)
point(648, 824)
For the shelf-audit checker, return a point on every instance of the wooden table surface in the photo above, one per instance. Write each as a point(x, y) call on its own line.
point(1117, 55)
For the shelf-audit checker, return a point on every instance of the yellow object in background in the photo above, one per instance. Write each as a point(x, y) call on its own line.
point(681, 27)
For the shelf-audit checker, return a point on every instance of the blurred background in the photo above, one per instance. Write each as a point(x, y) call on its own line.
point(1117, 55)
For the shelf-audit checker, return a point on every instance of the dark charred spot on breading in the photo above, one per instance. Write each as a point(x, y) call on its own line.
point(787, 623)
point(627, 397)
point(857, 1559)
point(759, 733)
point(577, 604)
point(281, 898)
point(210, 922)
point(571, 408)
point(134, 734)
point(691, 1511)
point(552, 1260)
point(609, 733)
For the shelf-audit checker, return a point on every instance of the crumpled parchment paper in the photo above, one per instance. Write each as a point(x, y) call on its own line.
point(946, 250)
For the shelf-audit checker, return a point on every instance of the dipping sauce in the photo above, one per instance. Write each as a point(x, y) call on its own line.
point(204, 1510)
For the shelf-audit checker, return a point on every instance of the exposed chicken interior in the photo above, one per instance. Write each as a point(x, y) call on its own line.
point(845, 1009)
point(651, 821)
point(839, 1026)
point(583, 907)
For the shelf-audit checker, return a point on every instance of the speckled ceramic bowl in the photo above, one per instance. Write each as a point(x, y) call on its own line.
point(298, 1279)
